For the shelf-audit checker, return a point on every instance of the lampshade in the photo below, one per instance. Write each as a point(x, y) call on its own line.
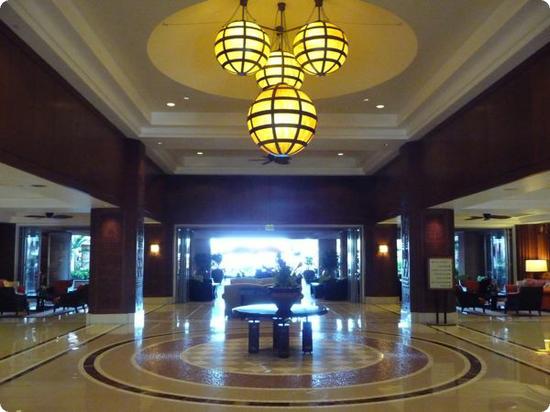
point(282, 120)
point(242, 47)
point(536, 265)
point(320, 48)
point(281, 67)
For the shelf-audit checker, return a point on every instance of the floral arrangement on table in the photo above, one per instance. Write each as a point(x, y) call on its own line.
point(284, 276)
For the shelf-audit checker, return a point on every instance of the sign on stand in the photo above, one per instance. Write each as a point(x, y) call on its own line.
point(440, 273)
point(440, 278)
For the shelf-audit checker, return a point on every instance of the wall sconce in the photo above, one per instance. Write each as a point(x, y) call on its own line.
point(383, 249)
point(154, 249)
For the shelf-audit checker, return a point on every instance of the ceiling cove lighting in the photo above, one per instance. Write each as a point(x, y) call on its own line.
point(242, 47)
point(282, 120)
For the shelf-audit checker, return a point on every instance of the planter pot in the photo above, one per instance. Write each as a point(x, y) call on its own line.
point(284, 298)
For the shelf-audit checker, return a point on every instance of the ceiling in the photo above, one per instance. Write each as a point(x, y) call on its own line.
point(23, 194)
point(130, 57)
point(525, 201)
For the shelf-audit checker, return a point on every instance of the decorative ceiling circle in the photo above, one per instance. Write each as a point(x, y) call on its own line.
point(382, 45)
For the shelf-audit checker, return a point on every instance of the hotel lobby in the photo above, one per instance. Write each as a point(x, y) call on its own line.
point(230, 205)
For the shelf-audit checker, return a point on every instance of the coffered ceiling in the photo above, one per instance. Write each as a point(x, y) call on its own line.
point(421, 59)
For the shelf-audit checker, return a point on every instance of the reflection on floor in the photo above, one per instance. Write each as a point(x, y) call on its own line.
point(189, 357)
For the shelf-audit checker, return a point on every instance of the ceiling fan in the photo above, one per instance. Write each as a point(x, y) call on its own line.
point(488, 216)
point(49, 215)
point(280, 160)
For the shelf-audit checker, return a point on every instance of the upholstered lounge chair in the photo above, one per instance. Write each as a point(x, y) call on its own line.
point(12, 302)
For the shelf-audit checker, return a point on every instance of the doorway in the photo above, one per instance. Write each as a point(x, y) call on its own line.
point(250, 251)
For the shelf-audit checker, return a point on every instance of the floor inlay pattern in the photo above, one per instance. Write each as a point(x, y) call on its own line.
point(163, 366)
point(232, 356)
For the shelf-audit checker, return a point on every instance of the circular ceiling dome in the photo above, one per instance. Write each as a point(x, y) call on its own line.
point(381, 46)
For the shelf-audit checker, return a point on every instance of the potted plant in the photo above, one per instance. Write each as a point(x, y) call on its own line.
point(203, 263)
point(329, 265)
point(309, 274)
point(286, 290)
point(217, 272)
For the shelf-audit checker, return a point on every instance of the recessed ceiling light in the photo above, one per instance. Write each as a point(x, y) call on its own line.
point(159, 142)
point(200, 153)
point(340, 154)
point(171, 104)
point(386, 145)
point(365, 99)
point(380, 106)
point(185, 97)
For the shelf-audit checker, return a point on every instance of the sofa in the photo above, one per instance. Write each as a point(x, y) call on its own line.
point(332, 289)
point(246, 291)
point(201, 291)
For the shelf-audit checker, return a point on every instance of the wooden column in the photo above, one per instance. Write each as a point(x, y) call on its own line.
point(425, 234)
point(117, 248)
point(59, 256)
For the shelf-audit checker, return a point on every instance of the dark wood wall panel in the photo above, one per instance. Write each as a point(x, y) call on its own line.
point(158, 274)
point(154, 190)
point(48, 129)
point(501, 136)
point(267, 199)
point(381, 278)
point(532, 242)
point(7, 250)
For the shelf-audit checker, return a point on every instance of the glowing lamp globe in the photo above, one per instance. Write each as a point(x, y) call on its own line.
point(282, 120)
point(281, 67)
point(320, 48)
point(242, 47)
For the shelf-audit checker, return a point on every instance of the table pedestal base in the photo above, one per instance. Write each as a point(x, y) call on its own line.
point(253, 336)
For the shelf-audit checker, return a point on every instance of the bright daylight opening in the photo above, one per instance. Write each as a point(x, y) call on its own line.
point(256, 256)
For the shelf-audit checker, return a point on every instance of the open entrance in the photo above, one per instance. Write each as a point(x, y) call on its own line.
point(239, 263)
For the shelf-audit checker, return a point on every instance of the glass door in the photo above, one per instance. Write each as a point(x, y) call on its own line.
point(29, 275)
point(183, 263)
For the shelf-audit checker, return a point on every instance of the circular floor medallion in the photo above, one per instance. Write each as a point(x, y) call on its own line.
point(231, 356)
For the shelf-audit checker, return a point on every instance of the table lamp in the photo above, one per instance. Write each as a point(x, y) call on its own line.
point(536, 266)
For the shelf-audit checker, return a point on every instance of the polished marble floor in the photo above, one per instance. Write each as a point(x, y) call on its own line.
point(190, 358)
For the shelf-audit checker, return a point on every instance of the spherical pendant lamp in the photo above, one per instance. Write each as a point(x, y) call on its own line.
point(281, 67)
point(282, 120)
point(242, 47)
point(320, 48)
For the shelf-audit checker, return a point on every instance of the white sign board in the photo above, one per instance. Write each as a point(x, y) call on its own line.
point(440, 272)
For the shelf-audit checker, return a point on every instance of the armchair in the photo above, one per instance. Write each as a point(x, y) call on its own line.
point(12, 302)
point(467, 299)
point(73, 299)
point(529, 298)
